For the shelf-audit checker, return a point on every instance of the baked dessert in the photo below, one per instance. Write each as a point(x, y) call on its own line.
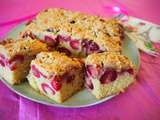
point(15, 58)
point(108, 73)
point(56, 75)
point(75, 33)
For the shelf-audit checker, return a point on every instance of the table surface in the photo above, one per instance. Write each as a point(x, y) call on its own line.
point(140, 102)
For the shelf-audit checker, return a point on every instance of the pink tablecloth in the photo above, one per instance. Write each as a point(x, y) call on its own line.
point(140, 102)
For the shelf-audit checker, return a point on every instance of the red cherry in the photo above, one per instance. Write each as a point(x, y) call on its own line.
point(12, 67)
point(51, 41)
point(56, 85)
point(74, 44)
point(2, 63)
point(35, 71)
point(63, 38)
point(89, 83)
point(91, 71)
point(130, 71)
point(90, 46)
point(42, 75)
point(2, 57)
point(65, 50)
point(16, 58)
point(108, 76)
point(46, 86)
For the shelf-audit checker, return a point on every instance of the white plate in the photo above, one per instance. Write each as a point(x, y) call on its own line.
point(82, 98)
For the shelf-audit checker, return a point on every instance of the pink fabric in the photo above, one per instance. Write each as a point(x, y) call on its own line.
point(140, 102)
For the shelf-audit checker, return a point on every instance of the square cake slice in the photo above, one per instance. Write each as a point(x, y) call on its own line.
point(75, 33)
point(56, 75)
point(15, 58)
point(108, 73)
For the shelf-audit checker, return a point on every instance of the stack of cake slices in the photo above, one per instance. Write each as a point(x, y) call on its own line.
point(61, 51)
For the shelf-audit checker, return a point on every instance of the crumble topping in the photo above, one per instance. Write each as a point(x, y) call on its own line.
point(110, 59)
point(24, 47)
point(56, 62)
point(106, 33)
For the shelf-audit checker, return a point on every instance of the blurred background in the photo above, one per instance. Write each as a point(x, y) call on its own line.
point(15, 11)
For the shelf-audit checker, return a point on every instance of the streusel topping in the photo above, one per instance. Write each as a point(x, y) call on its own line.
point(24, 47)
point(110, 59)
point(56, 62)
point(104, 32)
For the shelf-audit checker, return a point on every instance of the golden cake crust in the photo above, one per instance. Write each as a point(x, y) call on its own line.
point(56, 62)
point(110, 59)
point(104, 32)
point(27, 47)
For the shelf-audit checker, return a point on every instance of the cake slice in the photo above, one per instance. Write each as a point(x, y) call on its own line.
point(15, 58)
point(56, 75)
point(75, 33)
point(108, 74)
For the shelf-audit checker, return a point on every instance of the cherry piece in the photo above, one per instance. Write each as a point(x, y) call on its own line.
point(89, 83)
point(75, 44)
point(108, 76)
point(90, 46)
point(63, 38)
point(46, 86)
point(56, 85)
point(65, 50)
point(130, 71)
point(2, 56)
point(2, 63)
point(35, 71)
point(51, 41)
point(16, 58)
point(91, 71)
point(12, 66)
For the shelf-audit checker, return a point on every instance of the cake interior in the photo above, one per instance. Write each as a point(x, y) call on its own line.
point(107, 81)
point(56, 87)
point(68, 45)
point(16, 69)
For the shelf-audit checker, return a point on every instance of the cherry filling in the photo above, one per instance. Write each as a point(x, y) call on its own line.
point(2, 60)
point(68, 77)
point(36, 72)
point(56, 83)
point(2, 63)
point(89, 83)
point(108, 76)
point(45, 87)
point(131, 71)
point(2, 57)
point(51, 41)
point(65, 50)
point(75, 44)
point(29, 34)
point(19, 58)
point(12, 62)
point(105, 76)
point(91, 71)
point(89, 46)
point(63, 38)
